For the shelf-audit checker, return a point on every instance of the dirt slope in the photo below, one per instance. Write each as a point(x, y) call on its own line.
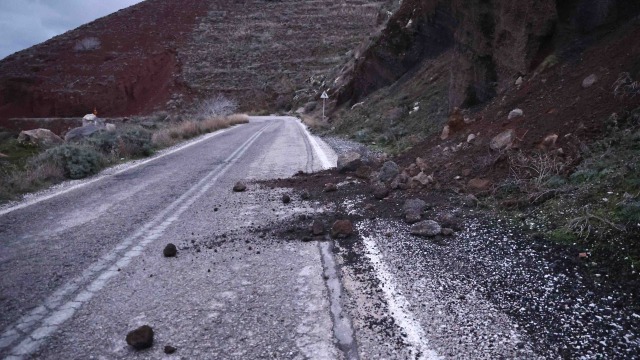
point(165, 53)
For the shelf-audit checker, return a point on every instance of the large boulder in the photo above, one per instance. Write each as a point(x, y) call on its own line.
point(39, 137)
point(80, 133)
point(388, 171)
point(349, 161)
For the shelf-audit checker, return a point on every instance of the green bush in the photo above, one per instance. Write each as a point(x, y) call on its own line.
point(563, 236)
point(630, 212)
point(104, 141)
point(135, 142)
point(78, 161)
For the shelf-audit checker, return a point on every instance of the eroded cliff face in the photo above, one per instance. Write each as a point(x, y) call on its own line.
point(492, 42)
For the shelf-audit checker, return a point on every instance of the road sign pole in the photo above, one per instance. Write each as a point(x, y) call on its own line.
point(324, 101)
point(324, 98)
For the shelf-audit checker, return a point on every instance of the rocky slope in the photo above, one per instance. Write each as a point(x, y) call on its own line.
point(163, 54)
point(492, 43)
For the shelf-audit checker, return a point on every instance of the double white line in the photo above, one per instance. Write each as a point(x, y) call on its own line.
point(32, 330)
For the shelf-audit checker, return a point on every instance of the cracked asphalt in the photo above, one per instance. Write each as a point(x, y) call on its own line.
point(81, 269)
point(82, 265)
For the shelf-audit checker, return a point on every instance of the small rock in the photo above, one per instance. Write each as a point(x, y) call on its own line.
point(421, 164)
point(426, 228)
point(479, 184)
point(330, 187)
point(445, 133)
point(305, 195)
point(470, 200)
point(388, 171)
point(447, 231)
point(422, 179)
point(349, 162)
point(449, 220)
point(549, 141)
point(414, 205)
point(141, 338)
point(363, 172)
point(380, 192)
point(369, 207)
point(286, 198)
point(519, 81)
point(3, 155)
point(412, 218)
point(239, 187)
point(503, 140)
point(413, 170)
point(170, 250)
point(341, 229)
point(169, 349)
point(515, 113)
point(470, 138)
point(317, 227)
point(589, 81)
point(413, 209)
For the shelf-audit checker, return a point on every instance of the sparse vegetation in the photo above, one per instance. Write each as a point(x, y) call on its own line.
point(28, 168)
point(595, 204)
point(87, 44)
point(626, 86)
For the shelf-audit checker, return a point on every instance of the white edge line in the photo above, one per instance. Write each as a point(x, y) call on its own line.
point(102, 175)
point(398, 304)
point(322, 155)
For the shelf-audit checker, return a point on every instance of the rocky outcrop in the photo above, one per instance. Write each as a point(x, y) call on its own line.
point(492, 43)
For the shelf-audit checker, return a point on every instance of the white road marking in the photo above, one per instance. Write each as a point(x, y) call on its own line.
point(55, 313)
point(322, 155)
point(398, 304)
point(99, 177)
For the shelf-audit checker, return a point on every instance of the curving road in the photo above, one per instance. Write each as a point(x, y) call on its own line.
point(82, 266)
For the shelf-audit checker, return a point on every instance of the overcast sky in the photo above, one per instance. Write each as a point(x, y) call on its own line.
point(24, 23)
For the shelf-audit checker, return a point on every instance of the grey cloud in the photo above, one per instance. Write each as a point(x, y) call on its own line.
point(24, 23)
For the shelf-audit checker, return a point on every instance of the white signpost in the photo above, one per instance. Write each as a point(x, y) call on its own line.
point(324, 98)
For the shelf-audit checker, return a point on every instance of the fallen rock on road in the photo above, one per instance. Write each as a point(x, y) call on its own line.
point(239, 187)
point(141, 338)
point(170, 250)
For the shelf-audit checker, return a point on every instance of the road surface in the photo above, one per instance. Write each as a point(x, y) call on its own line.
point(82, 266)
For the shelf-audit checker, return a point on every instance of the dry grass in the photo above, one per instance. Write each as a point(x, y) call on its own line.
point(192, 128)
point(315, 122)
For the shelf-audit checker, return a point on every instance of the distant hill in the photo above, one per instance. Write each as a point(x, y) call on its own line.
point(166, 54)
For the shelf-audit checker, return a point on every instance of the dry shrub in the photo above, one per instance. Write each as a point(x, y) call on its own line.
point(534, 169)
point(626, 86)
point(162, 139)
point(189, 129)
point(238, 119)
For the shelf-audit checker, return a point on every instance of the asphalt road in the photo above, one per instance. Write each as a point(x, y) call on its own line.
point(82, 267)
